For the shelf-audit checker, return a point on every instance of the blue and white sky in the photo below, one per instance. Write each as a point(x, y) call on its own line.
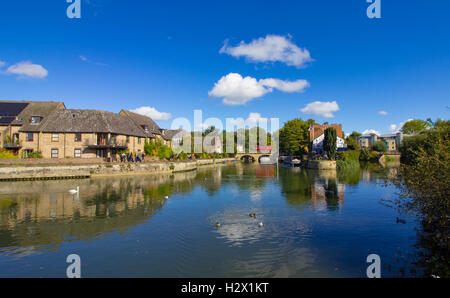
point(321, 59)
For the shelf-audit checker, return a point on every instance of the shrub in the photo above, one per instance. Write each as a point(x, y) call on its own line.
point(349, 155)
point(379, 146)
point(6, 154)
point(366, 155)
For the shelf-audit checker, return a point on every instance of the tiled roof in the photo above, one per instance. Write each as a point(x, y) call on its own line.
point(91, 121)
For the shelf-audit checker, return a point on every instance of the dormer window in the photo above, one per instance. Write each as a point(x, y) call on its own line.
point(35, 119)
point(145, 127)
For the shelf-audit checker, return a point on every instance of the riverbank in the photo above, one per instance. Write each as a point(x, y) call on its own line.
point(77, 171)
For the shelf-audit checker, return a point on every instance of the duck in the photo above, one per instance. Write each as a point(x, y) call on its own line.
point(166, 197)
point(260, 224)
point(252, 215)
point(399, 220)
point(74, 191)
point(217, 224)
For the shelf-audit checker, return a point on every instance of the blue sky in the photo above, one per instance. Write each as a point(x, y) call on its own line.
point(167, 55)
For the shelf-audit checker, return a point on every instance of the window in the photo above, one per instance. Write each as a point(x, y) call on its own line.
point(30, 137)
point(35, 120)
point(54, 153)
point(55, 137)
point(139, 140)
point(77, 153)
point(128, 139)
point(78, 137)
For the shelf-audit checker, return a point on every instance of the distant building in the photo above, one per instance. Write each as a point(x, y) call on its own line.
point(392, 141)
point(317, 135)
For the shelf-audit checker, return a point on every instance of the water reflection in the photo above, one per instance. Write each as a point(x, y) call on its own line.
point(307, 227)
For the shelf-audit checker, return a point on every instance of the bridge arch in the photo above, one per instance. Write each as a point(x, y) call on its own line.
point(252, 156)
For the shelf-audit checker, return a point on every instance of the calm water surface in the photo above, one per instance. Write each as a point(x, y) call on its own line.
point(316, 224)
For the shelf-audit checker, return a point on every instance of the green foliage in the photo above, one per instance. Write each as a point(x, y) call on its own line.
point(6, 154)
point(379, 146)
point(415, 126)
point(366, 155)
point(424, 184)
point(329, 142)
point(294, 137)
point(352, 143)
point(36, 154)
point(348, 155)
point(355, 135)
point(157, 149)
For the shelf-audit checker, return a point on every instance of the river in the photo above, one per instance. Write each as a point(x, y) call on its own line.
point(315, 224)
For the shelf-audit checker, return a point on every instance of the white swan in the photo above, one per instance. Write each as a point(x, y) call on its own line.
point(166, 197)
point(260, 224)
point(74, 191)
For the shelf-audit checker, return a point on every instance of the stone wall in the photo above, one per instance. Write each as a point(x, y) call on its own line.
point(102, 169)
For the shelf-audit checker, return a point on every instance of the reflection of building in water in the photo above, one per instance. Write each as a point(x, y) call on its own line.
point(327, 194)
point(33, 215)
point(265, 171)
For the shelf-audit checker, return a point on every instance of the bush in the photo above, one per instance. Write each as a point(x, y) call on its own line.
point(366, 155)
point(379, 146)
point(37, 154)
point(349, 155)
point(6, 154)
point(424, 182)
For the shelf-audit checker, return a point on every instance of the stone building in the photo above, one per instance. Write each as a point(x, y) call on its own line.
point(21, 121)
point(88, 134)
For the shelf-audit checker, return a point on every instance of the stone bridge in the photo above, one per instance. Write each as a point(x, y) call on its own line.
point(252, 156)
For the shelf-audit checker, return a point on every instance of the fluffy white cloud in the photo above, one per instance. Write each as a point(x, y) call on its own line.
point(272, 48)
point(28, 69)
point(394, 128)
point(371, 131)
point(383, 113)
point(152, 113)
point(321, 108)
point(238, 90)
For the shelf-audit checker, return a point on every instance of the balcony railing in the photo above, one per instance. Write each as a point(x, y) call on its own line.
point(12, 145)
point(105, 144)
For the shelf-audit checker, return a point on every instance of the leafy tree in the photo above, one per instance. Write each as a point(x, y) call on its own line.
point(424, 185)
point(355, 135)
point(329, 142)
point(352, 143)
point(416, 126)
point(294, 137)
point(379, 146)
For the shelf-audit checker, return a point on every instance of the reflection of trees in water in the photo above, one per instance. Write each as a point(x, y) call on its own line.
point(296, 186)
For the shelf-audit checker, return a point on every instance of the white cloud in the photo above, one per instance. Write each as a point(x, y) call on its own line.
point(285, 86)
point(383, 113)
point(238, 90)
point(371, 131)
point(28, 69)
point(394, 128)
point(152, 113)
point(321, 108)
point(83, 58)
point(272, 48)
point(2, 63)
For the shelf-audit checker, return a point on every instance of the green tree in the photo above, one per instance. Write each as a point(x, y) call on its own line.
point(294, 137)
point(424, 185)
point(415, 126)
point(379, 146)
point(329, 142)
